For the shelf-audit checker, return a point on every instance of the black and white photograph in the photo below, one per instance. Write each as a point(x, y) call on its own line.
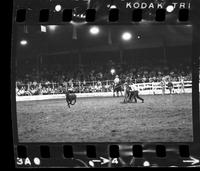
point(104, 83)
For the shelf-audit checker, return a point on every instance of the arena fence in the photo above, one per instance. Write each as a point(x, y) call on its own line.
point(144, 89)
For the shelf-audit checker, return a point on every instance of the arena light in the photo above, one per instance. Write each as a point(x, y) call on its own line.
point(82, 16)
point(113, 7)
point(94, 30)
point(52, 27)
point(23, 42)
point(112, 71)
point(170, 8)
point(146, 163)
point(126, 36)
point(58, 8)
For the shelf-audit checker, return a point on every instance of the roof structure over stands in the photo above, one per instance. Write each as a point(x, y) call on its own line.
point(65, 39)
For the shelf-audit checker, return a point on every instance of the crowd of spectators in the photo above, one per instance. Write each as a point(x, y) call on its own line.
point(95, 78)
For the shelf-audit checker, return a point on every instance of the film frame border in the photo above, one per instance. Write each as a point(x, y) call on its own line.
point(50, 15)
point(78, 151)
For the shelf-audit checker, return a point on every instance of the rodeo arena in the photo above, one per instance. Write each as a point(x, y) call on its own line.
point(104, 83)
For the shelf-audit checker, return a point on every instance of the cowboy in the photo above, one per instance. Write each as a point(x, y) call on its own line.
point(170, 86)
point(127, 89)
point(117, 86)
point(163, 84)
point(116, 80)
point(135, 93)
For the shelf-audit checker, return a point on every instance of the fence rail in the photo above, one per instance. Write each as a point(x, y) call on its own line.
point(91, 87)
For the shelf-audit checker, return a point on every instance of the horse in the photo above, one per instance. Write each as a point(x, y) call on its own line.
point(70, 98)
point(117, 88)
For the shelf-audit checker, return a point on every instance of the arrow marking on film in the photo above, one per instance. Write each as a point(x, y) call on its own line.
point(192, 161)
point(96, 160)
point(104, 160)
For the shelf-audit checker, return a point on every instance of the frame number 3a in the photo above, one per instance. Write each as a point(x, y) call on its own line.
point(27, 161)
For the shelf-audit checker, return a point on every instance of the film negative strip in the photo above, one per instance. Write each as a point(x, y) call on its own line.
point(106, 83)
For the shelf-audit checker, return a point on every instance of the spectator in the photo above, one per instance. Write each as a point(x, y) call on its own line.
point(92, 79)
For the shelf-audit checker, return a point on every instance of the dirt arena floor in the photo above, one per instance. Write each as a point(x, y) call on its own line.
point(107, 119)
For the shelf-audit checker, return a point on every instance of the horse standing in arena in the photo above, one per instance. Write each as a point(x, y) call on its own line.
point(117, 88)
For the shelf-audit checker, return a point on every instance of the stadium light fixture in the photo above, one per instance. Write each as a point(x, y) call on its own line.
point(112, 71)
point(170, 8)
point(113, 7)
point(23, 42)
point(58, 8)
point(52, 27)
point(126, 36)
point(94, 30)
point(82, 16)
point(146, 163)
